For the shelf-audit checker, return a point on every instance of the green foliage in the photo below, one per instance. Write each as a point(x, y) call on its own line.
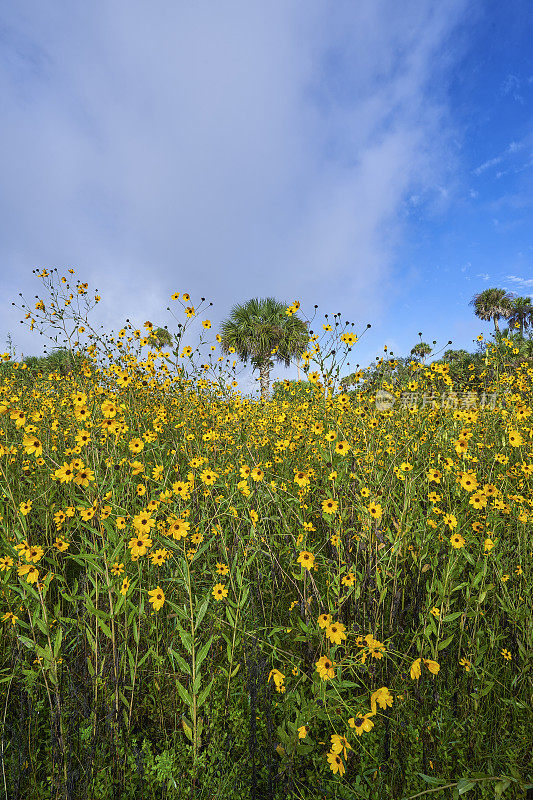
point(292, 391)
point(521, 314)
point(160, 338)
point(205, 596)
point(421, 350)
point(32, 368)
point(261, 332)
point(492, 304)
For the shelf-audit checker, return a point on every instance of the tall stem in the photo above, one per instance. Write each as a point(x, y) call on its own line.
point(194, 710)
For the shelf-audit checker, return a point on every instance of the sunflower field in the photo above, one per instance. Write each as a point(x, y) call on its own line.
point(204, 595)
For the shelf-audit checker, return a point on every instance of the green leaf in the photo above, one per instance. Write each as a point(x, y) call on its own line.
point(182, 664)
point(451, 617)
point(186, 729)
point(201, 612)
point(104, 627)
point(184, 694)
point(445, 643)
point(203, 653)
point(464, 785)
point(111, 534)
point(120, 602)
point(26, 642)
point(230, 617)
point(83, 559)
point(429, 779)
point(93, 610)
point(477, 579)
point(501, 786)
point(131, 660)
point(203, 694)
point(91, 639)
point(458, 587)
point(185, 637)
point(42, 652)
point(143, 659)
point(39, 623)
point(179, 611)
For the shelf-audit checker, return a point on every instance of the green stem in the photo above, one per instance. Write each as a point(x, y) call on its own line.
point(193, 667)
point(451, 786)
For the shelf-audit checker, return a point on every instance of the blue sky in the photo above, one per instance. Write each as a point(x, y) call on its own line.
point(375, 157)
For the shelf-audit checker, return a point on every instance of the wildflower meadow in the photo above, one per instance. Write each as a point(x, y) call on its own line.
point(321, 593)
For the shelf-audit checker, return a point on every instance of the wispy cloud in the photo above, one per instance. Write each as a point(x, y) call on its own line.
point(512, 87)
point(492, 162)
point(522, 282)
point(514, 147)
point(227, 149)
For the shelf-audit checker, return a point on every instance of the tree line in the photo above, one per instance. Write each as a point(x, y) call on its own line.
point(262, 333)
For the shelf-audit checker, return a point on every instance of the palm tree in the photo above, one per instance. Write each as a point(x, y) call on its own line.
point(492, 304)
point(455, 356)
point(463, 365)
point(521, 313)
point(421, 350)
point(160, 338)
point(260, 331)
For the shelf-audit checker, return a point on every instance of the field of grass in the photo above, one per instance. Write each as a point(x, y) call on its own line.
point(208, 596)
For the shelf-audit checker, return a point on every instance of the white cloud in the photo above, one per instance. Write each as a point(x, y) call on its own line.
point(511, 86)
point(487, 164)
point(522, 282)
point(514, 147)
point(228, 149)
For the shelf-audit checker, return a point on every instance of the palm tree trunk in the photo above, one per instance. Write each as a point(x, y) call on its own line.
point(496, 326)
point(264, 380)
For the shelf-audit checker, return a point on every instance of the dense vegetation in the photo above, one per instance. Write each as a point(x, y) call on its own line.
point(205, 595)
